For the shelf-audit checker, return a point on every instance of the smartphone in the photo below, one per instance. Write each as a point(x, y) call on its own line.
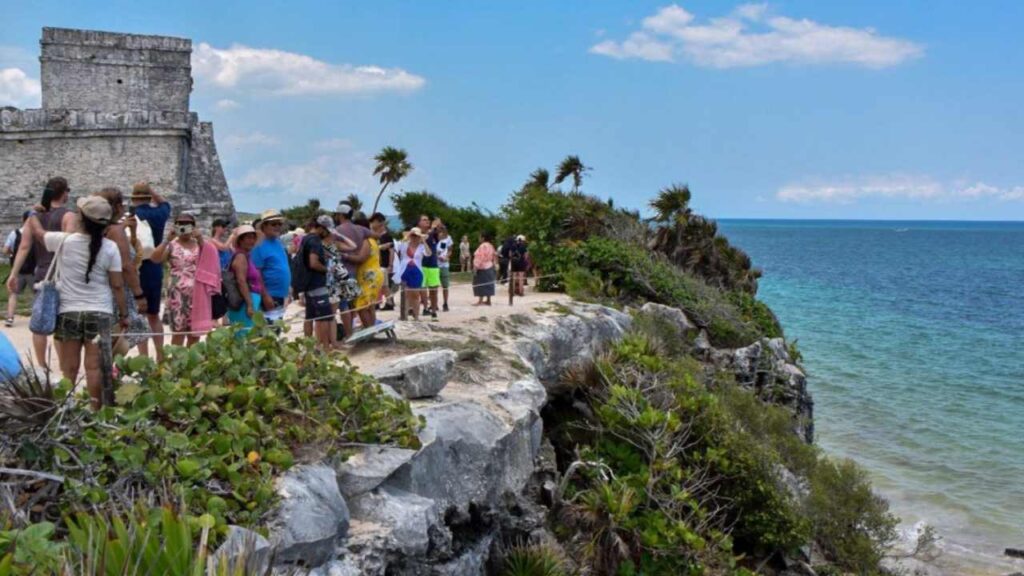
point(185, 229)
point(131, 211)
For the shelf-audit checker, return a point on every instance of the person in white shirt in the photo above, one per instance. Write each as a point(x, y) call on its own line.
point(90, 284)
point(444, 261)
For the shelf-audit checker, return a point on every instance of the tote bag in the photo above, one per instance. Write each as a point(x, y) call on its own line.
point(47, 302)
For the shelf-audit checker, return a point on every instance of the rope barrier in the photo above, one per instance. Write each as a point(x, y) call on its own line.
point(296, 320)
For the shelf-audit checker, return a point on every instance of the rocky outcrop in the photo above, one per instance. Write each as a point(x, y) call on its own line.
point(674, 316)
point(485, 470)
point(766, 368)
point(421, 375)
point(441, 509)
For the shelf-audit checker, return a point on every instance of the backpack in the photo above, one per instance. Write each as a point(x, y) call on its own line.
point(229, 288)
point(300, 268)
point(29, 267)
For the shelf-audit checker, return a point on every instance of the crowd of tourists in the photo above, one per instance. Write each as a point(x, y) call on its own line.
point(105, 263)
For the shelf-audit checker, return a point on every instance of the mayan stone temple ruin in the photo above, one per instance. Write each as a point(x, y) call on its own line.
point(115, 112)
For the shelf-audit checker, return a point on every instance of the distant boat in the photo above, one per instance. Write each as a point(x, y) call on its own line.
point(903, 230)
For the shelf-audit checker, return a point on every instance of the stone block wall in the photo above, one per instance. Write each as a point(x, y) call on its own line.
point(88, 70)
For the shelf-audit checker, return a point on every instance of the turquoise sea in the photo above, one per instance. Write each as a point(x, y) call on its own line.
point(913, 337)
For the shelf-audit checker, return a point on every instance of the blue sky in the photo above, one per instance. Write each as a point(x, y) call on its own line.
point(799, 109)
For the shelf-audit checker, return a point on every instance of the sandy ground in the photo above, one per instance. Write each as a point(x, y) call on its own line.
point(463, 315)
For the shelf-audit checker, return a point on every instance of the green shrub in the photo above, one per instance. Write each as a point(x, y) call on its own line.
point(851, 523)
point(214, 424)
point(534, 561)
point(471, 220)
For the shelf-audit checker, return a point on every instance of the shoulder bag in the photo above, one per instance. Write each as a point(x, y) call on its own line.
point(47, 302)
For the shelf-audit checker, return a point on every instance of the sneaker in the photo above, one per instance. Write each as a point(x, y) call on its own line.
point(9, 322)
point(388, 307)
point(444, 308)
point(433, 313)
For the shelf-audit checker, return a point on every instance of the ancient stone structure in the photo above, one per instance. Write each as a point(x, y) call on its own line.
point(115, 112)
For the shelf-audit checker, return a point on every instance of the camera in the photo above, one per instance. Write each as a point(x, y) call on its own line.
point(185, 229)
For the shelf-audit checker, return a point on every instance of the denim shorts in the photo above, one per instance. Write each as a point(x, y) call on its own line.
point(318, 305)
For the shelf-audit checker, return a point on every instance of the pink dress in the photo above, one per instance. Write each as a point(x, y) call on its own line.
point(178, 306)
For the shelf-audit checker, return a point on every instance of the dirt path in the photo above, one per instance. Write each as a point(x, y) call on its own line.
point(462, 315)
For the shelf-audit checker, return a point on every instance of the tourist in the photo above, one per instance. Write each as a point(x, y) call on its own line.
point(52, 215)
point(180, 249)
point(485, 260)
point(431, 270)
point(408, 268)
point(503, 261)
point(369, 276)
point(465, 257)
point(444, 251)
point(24, 276)
point(151, 208)
point(221, 238)
point(297, 236)
point(118, 234)
point(247, 276)
point(271, 260)
point(385, 244)
point(351, 258)
point(517, 264)
point(342, 289)
point(314, 262)
point(89, 283)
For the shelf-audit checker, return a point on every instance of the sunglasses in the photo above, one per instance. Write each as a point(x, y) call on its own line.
point(275, 224)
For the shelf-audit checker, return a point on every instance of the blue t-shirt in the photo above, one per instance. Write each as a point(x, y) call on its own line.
point(156, 217)
point(225, 258)
point(431, 261)
point(271, 260)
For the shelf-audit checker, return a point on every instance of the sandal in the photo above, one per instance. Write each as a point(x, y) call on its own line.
point(9, 322)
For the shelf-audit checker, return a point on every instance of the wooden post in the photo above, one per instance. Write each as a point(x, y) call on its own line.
point(403, 309)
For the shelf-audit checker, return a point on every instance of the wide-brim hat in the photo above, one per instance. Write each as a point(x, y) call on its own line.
point(239, 232)
point(270, 216)
point(415, 231)
point(96, 209)
point(142, 191)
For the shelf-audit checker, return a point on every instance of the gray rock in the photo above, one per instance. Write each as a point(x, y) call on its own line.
point(472, 562)
point(408, 519)
point(367, 468)
point(311, 518)
point(674, 316)
point(420, 375)
point(702, 343)
point(244, 551)
point(469, 455)
point(556, 344)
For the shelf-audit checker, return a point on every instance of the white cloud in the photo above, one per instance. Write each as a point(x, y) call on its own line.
point(289, 74)
point(751, 36)
point(250, 139)
point(226, 104)
point(17, 89)
point(336, 168)
point(894, 186)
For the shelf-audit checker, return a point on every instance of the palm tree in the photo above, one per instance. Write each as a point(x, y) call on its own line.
point(539, 178)
point(392, 165)
point(571, 166)
point(672, 203)
point(354, 201)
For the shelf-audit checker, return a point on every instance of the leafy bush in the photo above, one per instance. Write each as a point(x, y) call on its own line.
point(214, 424)
point(851, 523)
point(632, 275)
point(470, 221)
point(142, 542)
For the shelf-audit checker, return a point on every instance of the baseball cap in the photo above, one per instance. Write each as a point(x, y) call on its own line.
point(95, 208)
point(325, 221)
point(344, 208)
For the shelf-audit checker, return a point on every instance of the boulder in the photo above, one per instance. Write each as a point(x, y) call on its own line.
point(555, 344)
point(367, 468)
point(673, 316)
point(420, 375)
point(311, 518)
point(243, 551)
point(469, 455)
point(408, 520)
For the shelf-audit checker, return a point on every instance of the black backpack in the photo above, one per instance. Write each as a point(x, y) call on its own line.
point(29, 267)
point(300, 268)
